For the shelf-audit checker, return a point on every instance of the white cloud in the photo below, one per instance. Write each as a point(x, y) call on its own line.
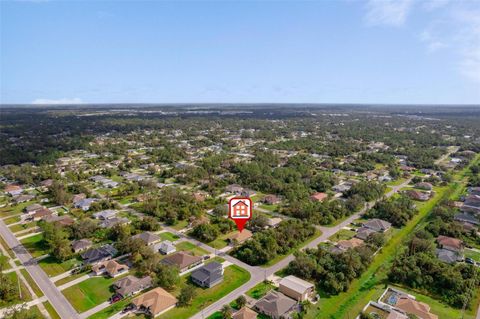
point(75, 100)
point(387, 12)
point(468, 42)
point(433, 42)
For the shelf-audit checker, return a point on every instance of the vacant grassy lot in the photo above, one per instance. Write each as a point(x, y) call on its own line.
point(13, 210)
point(111, 310)
point(90, 293)
point(168, 236)
point(233, 278)
point(180, 225)
point(194, 250)
point(343, 234)
point(19, 227)
point(54, 267)
point(35, 245)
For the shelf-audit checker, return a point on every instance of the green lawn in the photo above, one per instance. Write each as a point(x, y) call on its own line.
point(234, 277)
point(11, 220)
point(111, 310)
point(54, 267)
point(90, 293)
point(168, 236)
point(216, 315)
point(13, 210)
point(70, 278)
point(180, 225)
point(469, 253)
point(194, 250)
point(19, 227)
point(51, 310)
point(35, 245)
point(343, 234)
point(31, 283)
point(260, 290)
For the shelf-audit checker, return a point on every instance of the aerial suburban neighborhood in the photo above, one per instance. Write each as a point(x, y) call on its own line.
point(349, 221)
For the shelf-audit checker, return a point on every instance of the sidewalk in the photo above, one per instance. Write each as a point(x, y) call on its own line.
point(74, 282)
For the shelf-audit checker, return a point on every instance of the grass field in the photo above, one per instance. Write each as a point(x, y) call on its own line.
point(35, 245)
point(31, 283)
point(180, 225)
point(70, 278)
point(194, 250)
point(19, 227)
point(469, 253)
point(111, 310)
point(168, 236)
point(90, 293)
point(260, 290)
point(51, 310)
point(54, 267)
point(343, 234)
point(13, 210)
point(234, 277)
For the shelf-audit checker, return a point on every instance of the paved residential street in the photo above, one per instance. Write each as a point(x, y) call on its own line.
point(54, 296)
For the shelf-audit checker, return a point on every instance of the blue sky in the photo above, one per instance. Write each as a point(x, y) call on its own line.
point(402, 51)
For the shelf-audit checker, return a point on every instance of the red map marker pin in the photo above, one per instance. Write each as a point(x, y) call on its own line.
point(240, 211)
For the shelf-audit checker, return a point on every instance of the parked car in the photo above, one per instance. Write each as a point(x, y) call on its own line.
point(128, 308)
point(115, 298)
point(470, 261)
point(206, 257)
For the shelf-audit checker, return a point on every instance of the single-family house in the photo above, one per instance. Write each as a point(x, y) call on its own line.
point(245, 313)
point(240, 237)
point(31, 209)
point(364, 232)
point(96, 255)
point(155, 302)
point(378, 225)
point(84, 204)
point(450, 243)
point(271, 199)
point(413, 307)
point(109, 223)
point(319, 197)
point(41, 214)
point(110, 267)
point(182, 260)
point(209, 275)
point(273, 222)
point(165, 247)
point(447, 256)
point(424, 185)
point(59, 220)
point(22, 198)
point(350, 243)
point(81, 245)
point(296, 288)
point(13, 190)
point(105, 214)
point(275, 305)
point(148, 238)
point(131, 285)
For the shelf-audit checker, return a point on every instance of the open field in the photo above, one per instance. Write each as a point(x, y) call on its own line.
point(35, 245)
point(54, 267)
point(188, 246)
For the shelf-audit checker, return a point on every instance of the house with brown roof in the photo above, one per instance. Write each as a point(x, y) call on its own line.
point(31, 209)
point(130, 285)
point(275, 305)
point(417, 195)
point(271, 199)
point(60, 220)
point(419, 309)
point(110, 267)
point(81, 245)
point(13, 190)
point(245, 313)
point(450, 243)
point(319, 197)
point(148, 238)
point(183, 261)
point(350, 243)
point(41, 213)
point(240, 237)
point(155, 302)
